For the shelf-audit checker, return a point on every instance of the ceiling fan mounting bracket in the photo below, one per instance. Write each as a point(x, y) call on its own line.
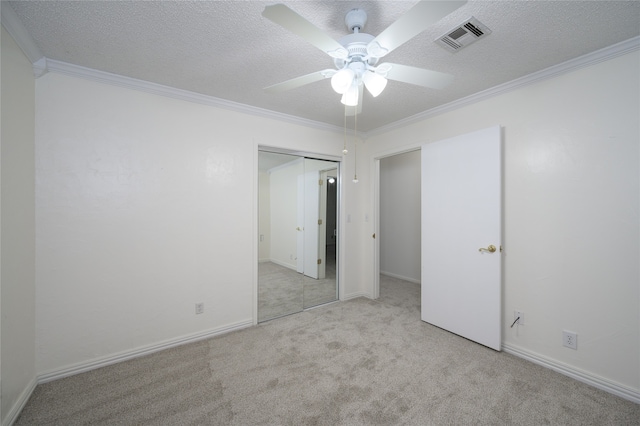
point(355, 20)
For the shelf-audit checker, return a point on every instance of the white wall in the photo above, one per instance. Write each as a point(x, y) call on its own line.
point(17, 230)
point(572, 189)
point(284, 208)
point(145, 206)
point(284, 212)
point(400, 216)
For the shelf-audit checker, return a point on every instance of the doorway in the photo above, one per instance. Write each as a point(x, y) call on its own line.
point(297, 233)
point(461, 226)
point(399, 227)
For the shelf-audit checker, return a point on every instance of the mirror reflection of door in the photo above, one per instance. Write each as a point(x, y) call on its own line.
point(297, 208)
point(320, 286)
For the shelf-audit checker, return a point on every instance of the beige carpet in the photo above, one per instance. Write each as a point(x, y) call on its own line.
point(283, 291)
point(359, 362)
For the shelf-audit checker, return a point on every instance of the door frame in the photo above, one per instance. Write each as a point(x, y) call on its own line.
point(375, 292)
point(375, 196)
point(341, 215)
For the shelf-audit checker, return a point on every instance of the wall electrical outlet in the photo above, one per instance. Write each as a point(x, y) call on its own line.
point(518, 317)
point(570, 339)
point(199, 308)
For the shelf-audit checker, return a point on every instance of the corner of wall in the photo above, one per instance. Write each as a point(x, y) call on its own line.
point(17, 229)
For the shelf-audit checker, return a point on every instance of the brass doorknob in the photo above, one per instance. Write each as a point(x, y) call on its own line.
point(490, 249)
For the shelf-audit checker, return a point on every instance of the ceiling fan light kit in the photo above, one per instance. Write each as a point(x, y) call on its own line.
point(341, 81)
point(350, 97)
point(357, 68)
point(374, 82)
point(357, 54)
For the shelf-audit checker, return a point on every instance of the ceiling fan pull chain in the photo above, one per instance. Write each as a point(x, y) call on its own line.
point(344, 150)
point(355, 147)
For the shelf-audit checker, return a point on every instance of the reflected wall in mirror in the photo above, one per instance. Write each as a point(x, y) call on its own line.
point(297, 209)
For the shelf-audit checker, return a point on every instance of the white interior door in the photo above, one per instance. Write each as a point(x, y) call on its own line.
point(322, 225)
point(300, 226)
point(311, 216)
point(461, 217)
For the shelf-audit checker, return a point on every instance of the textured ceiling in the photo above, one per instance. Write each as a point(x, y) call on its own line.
point(226, 49)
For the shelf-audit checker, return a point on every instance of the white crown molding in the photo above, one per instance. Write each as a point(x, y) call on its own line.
point(40, 67)
point(60, 67)
point(13, 25)
point(579, 375)
point(593, 58)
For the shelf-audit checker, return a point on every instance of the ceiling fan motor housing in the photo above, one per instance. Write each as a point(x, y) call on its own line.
point(356, 45)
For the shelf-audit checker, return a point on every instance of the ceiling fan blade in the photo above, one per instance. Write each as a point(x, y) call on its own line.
point(417, 76)
point(290, 20)
point(412, 23)
point(300, 81)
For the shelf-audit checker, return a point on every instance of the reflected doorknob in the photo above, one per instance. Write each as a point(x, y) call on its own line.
point(490, 249)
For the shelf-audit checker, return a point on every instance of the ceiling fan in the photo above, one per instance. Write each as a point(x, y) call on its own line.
point(356, 55)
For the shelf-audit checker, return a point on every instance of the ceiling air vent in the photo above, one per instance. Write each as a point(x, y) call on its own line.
point(463, 35)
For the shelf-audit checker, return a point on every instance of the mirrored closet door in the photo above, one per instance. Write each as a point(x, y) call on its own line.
point(298, 224)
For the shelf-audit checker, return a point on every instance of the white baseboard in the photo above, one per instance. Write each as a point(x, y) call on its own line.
point(400, 277)
point(356, 295)
point(582, 376)
point(14, 412)
point(141, 351)
point(286, 265)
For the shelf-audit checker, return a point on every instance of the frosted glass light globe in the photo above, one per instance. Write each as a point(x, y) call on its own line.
point(341, 81)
